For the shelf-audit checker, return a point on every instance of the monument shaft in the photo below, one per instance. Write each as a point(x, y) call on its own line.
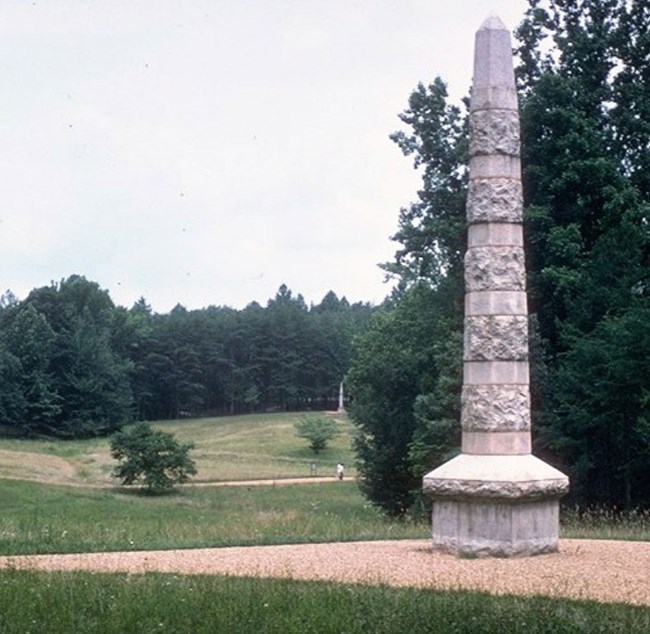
point(495, 498)
point(495, 400)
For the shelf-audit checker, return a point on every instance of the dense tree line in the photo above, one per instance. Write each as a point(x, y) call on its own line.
point(586, 114)
point(72, 364)
point(584, 82)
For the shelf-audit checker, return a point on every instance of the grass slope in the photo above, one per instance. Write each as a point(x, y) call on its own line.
point(260, 446)
point(39, 518)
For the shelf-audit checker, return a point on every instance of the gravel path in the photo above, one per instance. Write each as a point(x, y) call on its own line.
point(606, 571)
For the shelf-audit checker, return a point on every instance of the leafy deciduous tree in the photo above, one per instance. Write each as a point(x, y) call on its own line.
point(586, 141)
point(405, 380)
point(151, 457)
point(318, 430)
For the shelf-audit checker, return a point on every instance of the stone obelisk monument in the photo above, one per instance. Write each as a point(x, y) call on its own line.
point(495, 498)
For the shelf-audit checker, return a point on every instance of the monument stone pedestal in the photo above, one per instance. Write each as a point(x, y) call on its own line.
point(495, 498)
point(501, 506)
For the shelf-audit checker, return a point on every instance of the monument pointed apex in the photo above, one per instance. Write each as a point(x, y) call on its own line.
point(494, 23)
point(493, 84)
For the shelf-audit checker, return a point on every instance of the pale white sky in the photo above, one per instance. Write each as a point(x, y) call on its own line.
point(206, 151)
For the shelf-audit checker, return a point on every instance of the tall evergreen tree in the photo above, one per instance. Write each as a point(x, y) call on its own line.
point(405, 381)
point(30, 339)
point(89, 392)
point(395, 382)
point(585, 157)
point(12, 398)
point(585, 105)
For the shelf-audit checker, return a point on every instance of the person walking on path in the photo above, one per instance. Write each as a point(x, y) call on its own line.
point(340, 470)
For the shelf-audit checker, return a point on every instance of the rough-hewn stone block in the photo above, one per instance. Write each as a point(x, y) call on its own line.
point(495, 408)
point(494, 132)
point(494, 200)
point(495, 269)
point(514, 477)
point(496, 338)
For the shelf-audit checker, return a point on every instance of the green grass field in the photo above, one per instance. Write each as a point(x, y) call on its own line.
point(64, 603)
point(39, 518)
point(262, 446)
point(58, 497)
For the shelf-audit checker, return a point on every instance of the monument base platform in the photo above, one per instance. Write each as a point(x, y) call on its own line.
point(495, 528)
point(499, 506)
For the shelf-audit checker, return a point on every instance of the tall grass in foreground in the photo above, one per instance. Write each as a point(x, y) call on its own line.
point(61, 603)
point(604, 523)
point(39, 518)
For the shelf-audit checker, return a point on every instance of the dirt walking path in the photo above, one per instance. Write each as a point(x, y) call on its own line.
point(264, 483)
point(209, 483)
point(607, 571)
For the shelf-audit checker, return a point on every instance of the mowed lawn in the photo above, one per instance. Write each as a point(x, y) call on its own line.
point(258, 446)
point(40, 518)
point(57, 496)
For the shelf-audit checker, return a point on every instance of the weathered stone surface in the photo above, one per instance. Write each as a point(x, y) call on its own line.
point(496, 338)
point(495, 166)
point(493, 84)
point(495, 498)
point(494, 200)
point(495, 528)
point(495, 408)
point(496, 476)
point(496, 303)
point(495, 269)
point(493, 97)
point(495, 373)
point(503, 443)
point(495, 234)
point(494, 132)
point(463, 488)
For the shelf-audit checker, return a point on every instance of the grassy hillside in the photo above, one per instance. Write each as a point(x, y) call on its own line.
point(58, 496)
point(260, 446)
point(42, 512)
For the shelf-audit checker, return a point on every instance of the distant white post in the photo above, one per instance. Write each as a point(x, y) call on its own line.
point(341, 408)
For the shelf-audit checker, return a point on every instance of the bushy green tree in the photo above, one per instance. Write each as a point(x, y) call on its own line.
point(151, 457)
point(586, 139)
point(317, 430)
point(68, 371)
point(431, 230)
point(395, 387)
point(406, 377)
point(584, 80)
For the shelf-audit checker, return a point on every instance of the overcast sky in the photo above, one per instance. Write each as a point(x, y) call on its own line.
point(207, 151)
